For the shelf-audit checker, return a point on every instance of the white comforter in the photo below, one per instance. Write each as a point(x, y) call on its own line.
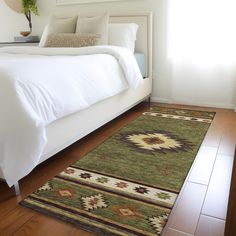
point(40, 85)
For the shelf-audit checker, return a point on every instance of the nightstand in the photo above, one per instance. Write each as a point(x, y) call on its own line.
point(9, 44)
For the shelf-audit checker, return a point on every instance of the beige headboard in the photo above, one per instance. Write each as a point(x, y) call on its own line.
point(144, 35)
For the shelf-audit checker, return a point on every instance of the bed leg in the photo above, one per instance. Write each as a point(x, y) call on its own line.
point(149, 101)
point(17, 188)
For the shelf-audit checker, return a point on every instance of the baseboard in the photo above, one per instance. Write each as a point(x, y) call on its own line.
point(161, 100)
point(192, 103)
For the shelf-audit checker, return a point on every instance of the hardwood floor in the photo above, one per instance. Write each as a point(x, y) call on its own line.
point(201, 206)
point(230, 229)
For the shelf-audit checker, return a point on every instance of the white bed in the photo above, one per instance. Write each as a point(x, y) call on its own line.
point(67, 130)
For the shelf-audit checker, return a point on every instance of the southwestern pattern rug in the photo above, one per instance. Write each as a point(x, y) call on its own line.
point(128, 184)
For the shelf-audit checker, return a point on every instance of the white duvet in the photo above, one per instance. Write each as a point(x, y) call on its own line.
point(40, 85)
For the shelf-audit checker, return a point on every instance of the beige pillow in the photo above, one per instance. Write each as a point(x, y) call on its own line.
point(94, 25)
point(72, 40)
point(58, 25)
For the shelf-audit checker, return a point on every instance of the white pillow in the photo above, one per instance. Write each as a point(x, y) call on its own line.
point(94, 25)
point(123, 35)
point(44, 37)
point(58, 25)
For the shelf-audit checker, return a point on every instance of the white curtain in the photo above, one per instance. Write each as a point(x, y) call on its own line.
point(202, 51)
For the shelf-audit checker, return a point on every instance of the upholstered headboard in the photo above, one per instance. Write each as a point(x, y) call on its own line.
point(144, 35)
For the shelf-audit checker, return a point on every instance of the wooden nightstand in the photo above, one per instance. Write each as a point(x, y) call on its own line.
point(8, 44)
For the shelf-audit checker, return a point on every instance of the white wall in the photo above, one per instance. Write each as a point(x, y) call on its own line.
point(164, 89)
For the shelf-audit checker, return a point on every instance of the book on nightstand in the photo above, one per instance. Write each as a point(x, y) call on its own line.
point(28, 39)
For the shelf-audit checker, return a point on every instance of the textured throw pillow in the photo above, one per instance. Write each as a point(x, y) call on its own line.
point(72, 40)
point(58, 25)
point(94, 25)
point(123, 35)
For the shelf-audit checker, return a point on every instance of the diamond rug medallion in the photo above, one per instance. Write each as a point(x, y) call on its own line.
point(128, 184)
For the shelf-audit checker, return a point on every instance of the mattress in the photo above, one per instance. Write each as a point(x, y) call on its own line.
point(140, 58)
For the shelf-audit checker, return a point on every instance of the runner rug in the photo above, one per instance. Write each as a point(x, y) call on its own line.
point(128, 184)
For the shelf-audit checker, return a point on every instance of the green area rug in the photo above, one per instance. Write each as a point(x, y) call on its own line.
point(128, 184)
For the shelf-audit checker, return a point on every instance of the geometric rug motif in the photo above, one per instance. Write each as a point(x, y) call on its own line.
point(179, 117)
point(128, 184)
point(93, 202)
point(158, 223)
point(156, 141)
point(149, 194)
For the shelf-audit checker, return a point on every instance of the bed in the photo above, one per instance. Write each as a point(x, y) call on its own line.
point(76, 125)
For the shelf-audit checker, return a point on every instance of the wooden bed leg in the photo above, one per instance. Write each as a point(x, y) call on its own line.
point(17, 188)
point(149, 101)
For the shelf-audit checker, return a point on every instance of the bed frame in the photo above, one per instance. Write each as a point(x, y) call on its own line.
point(78, 125)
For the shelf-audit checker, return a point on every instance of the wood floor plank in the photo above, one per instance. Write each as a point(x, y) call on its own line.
point(216, 201)
point(228, 139)
point(14, 220)
point(172, 232)
point(215, 131)
point(47, 226)
point(230, 229)
point(209, 226)
point(6, 206)
point(227, 144)
point(203, 166)
point(189, 204)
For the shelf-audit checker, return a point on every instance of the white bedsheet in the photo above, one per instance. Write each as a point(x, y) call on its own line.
point(40, 85)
